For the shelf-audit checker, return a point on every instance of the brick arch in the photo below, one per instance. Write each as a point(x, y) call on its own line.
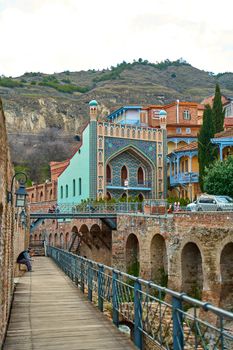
point(55, 240)
point(67, 238)
point(191, 270)
point(61, 240)
point(50, 239)
point(159, 260)
point(85, 248)
point(226, 270)
point(132, 250)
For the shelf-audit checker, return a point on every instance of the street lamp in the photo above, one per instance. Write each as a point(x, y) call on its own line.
point(21, 193)
point(126, 188)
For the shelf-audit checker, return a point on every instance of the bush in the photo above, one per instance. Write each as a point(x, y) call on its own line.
point(183, 201)
point(10, 83)
point(66, 88)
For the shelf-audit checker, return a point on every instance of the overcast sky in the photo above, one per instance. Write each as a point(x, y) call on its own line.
point(56, 35)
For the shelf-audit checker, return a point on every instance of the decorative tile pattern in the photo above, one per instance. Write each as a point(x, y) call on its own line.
point(114, 145)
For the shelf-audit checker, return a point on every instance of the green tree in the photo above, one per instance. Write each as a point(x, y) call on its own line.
point(218, 178)
point(205, 148)
point(217, 111)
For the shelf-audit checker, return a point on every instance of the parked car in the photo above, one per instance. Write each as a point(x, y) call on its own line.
point(192, 206)
point(213, 203)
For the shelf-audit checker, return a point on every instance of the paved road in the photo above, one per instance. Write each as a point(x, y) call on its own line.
point(49, 312)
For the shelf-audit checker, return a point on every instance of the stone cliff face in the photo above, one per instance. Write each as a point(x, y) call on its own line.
point(33, 114)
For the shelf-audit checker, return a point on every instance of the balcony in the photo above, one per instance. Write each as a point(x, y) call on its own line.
point(184, 178)
point(113, 185)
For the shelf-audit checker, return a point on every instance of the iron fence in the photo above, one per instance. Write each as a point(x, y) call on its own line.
point(158, 315)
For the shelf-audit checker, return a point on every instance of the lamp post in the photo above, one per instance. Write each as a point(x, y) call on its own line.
point(21, 193)
point(126, 184)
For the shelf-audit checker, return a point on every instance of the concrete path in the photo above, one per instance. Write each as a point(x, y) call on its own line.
point(49, 312)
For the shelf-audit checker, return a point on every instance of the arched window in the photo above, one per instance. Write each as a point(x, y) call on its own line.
point(41, 195)
point(108, 196)
point(50, 194)
point(74, 192)
point(140, 197)
point(61, 191)
point(140, 176)
point(67, 191)
point(108, 174)
point(124, 175)
point(80, 186)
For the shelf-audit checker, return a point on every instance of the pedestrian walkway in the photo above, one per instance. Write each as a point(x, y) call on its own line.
point(49, 312)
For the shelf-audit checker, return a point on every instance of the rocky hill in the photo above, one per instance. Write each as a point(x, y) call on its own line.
point(36, 103)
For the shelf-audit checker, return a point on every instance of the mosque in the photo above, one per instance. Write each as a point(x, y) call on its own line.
point(119, 157)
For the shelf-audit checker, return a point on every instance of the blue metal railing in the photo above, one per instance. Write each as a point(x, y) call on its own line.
point(172, 320)
point(184, 178)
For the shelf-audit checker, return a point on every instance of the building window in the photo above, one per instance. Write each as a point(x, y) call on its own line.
point(140, 176)
point(61, 191)
point(124, 175)
point(108, 174)
point(188, 131)
point(67, 191)
point(74, 188)
point(186, 115)
point(80, 186)
point(178, 130)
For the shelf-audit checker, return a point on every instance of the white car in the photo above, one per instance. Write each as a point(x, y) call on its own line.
point(192, 206)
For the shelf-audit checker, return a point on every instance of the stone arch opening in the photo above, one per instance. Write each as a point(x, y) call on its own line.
point(226, 269)
point(159, 261)
point(40, 237)
point(67, 240)
point(61, 240)
point(50, 239)
point(85, 247)
point(132, 255)
point(95, 232)
point(35, 237)
point(51, 194)
point(55, 240)
point(41, 196)
point(192, 273)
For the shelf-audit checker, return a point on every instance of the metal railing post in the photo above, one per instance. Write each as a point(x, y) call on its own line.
point(178, 334)
point(82, 283)
point(100, 278)
point(115, 313)
point(137, 315)
point(90, 281)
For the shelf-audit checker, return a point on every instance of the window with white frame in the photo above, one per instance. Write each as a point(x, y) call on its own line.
point(186, 115)
point(188, 131)
point(178, 130)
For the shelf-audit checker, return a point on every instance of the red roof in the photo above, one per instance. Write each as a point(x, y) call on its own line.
point(226, 133)
point(192, 146)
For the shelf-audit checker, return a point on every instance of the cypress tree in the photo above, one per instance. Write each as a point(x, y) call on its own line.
point(205, 147)
point(217, 110)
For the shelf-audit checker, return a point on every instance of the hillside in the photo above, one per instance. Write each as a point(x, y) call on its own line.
point(37, 102)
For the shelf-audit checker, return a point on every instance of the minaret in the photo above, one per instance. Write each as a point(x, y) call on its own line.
point(93, 150)
point(163, 119)
point(93, 109)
